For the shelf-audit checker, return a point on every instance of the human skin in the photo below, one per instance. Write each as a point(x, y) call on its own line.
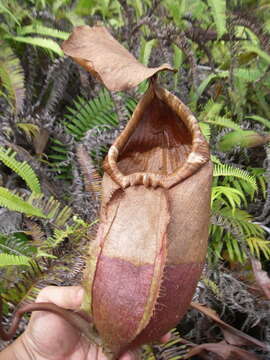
point(49, 337)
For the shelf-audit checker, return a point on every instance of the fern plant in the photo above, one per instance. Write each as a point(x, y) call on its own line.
point(86, 115)
point(35, 250)
point(233, 232)
point(12, 77)
point(9, 260)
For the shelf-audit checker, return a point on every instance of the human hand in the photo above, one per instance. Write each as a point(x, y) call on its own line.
point(50, 337)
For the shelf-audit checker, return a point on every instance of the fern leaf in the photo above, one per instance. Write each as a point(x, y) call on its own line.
point(224, 122)
point(5, 10)
point(255, 49)
point(205, 129)
point(146, 49)
point(248, 75)
point(12, 77)
point(230, 196)
point(47, 44)
point(8, 260)
point(43, 30)
point(227, 170)
point(258, 245)
point(21, 168)
point(130, 105)
point(211, 109)
point(15, 203)
point(218, 8)
point(30, 130)
point(243, 220)
point(242, 138)
point(260, 119)
point(16, 245)
point(86, 115)
point(203, 85)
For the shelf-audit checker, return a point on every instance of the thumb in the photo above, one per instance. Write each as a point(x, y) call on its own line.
point(67, 297)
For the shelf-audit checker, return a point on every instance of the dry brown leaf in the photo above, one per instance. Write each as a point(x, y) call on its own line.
point(40, 140)
point(234, 333)
point(91, 177)
point(223, 350)
point(261, 277)
point(98, 52)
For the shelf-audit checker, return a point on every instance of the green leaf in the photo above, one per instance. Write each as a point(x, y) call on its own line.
point(218, 8)
point(253, 48)
point(15, 203)
point(242, 138)
point(47, 44)
point(146, 49)
point(230, 196)
point(230, 171)
point(8, 260)
point(23, 169)
point(12, 77)
point(43, 30)
point(4, 10)
point(85, 114)
point(205, 129)
point(258, 245)
point(260, 119)
point(224, 122)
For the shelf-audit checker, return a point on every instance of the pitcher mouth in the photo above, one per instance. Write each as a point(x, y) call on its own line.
point(161, 145)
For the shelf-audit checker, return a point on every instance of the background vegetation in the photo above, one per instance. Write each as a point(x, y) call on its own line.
point(49, 106)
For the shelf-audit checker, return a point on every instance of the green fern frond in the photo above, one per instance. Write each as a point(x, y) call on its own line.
point(205, 129)
point(43, 30)
point(15, 244)
point(8, 260)
point(228, 170)
point(47, 44)
point(260, 119)
point(30, 130)
point(130, 104)
point(215, 160)
point(145, 53)
point(146, 49)
point(59, 161)
point(15, 203)
point(23, 169)
point(224, 122)
point(229, 231)
point(258, 246)
point(53, 209)
point(218, 8)
point(211, 285)
point(77, 230)
point(248, 75)
point(228, 195)
point(259, 174)
point(5, 10)
point(235, 251)
point(242, 138)
point(243, 220)
point(86, 115)
point(211, 109)
point(27, 287)
point(12, 77)
point(255, 49)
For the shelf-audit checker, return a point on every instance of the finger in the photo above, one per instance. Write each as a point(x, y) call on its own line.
point(67, 297)
point(165, 338)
